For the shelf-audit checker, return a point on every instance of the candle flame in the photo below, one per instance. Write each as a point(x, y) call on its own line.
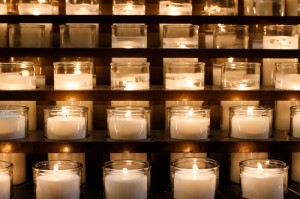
point(124, 171)
point(250, 110)
point(259, 166)
point(129, 86)
point(191, 112)
point(65, 112)
point(128, 114)
point(56, 168)
point(230, 59)
point(195, 170)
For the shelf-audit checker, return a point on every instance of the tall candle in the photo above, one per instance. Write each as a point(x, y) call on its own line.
point(5, 187)
point(126, 184)
point(15, 81)
point(296, 126)
point(73, 81)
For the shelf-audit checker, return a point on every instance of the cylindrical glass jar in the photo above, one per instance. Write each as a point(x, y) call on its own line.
point(82, 7)
point(128, 7)
point(126, 35)
point(266, 7)
point(287, 75)
point(73, 75)
point(51, 177)
point(194, 177)
point(213, 7)
point(240, 75)
point(189, 122)
point(231, 36)
point(126, 179)
point(264, 178)
point(17, 76)
point(259, 118)
point(175, 7)
point(130, 75)
point(6, 176)
point(29, 7)
point(65, 122)
point(180, 36)
point(13, 122)
point(295, 121)
point(128, 123)
point(184, 75)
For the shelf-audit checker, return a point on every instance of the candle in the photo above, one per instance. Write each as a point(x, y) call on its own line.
point(258, 120)
point(128, 9)
point(82, 9)
point(5, 179)
point(127, 126)
point(3, 9)
point(209, 39)
point(295, 116)
point(185, 81)
point(57, 183)
point(288, 81)
point(126, 179)
point(194, 178)
point(189, 123)
point(129, 42)
point(3, 34)
point(295, 167)
point(291, 7)
point(170, 8)
point(180, 42)
point(264, 180)
point(35, 9)
point(73, 81)
point(19, 166)
point(12, 126)
point(15, 81)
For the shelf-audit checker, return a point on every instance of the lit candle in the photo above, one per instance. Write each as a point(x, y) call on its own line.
point(40, 8)
point(127, 126)
point(73, 81)
point(61, 184)
point(82, 9)
point(259, 123)
point(194, 183)
point(170, 8)
point(128, 9)
point(185, 81)
point(15, 81)
point(180, 42)
point(12, 126)
point(66, 126)
point(190, 126)
point(266, 183)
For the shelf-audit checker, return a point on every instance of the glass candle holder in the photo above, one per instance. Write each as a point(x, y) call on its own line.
point(259, 118)
point(240, 75)
point(65, 122)
point(263, 178)
point(30, 7)
point(82, 7)
point(130, 76)
point(180, 36)
point(287, 76)
point(175, 7)
point(213, 7)
point(6, 172)
point(267, 7)
point(17, 76)
point(128, 123)
point(194, 177)
point(231, 36)
point(48, 32)
point(26, 35)
point(184, 75)
point(295, 121)
point(126, 179)
point(128, 7)
point(189, 122)
point(129, 36)
point(73, 75)
point(278, 37)
point(79, 35)
point(13, 122)
point(51, 177)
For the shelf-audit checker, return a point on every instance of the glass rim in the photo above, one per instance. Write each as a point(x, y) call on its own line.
point(188, 107)
point(72, 63)
point(13, 108)
point(130, 64)
point(39, 166)
point(68, 107)
point(286, 64)
point(184, 64)
point(5, 165)
point(78, 25)
point(20, 64)
point(273, 26)
point(144, 165)
point(238, 26)
point(295, 108)
point(28, 25)
point(213, 163)
point(129, 25)
point(254, 108)
point(181, 26)
point(118, 111)
point(241, 63)
point(251, 164)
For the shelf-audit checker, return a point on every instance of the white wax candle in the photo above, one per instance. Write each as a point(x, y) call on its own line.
point(73, 81)
point(217, 70)
point(126, 184)
point(280, 42)
point(189, 127)
point(5, 186)
point(128, 9)
point(291, 7)
point(236, 158)
point(3, 34)
point(61, 185)
point(77, 157)
point(127, 128)
point(15, 81)
point(191, 42)
point(3, 9)
point(169, 8)
point(287, 81)
point(12, 126)
point(194, 185)
point(19, 166)
point(250, 127)
point(184, 81)
point(34, 9)
point(130, 81)
point(66, 127)
point(260, 183)
point(225, 41)
point(82, 9)
point(129, 42)
point(296, 126)
point(295, 173)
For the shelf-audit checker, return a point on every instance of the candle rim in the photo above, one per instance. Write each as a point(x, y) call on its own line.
point(211, 164)
point(269, 165)
point(48, 166)
point(131, 165)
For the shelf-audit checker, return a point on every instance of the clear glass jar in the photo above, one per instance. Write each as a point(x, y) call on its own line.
point(130, 75)
point(287, 75)
point(73, 75)
point(250, 122)
point(65, 122)
point(189, 122)
point(17, 76)
point(264, 178)
point(129, 7)
point(240, 75)
point(126, 179)
point(194, 177)
point(212, 7)
point(6, 176)
point(13, 122)
point(82, 7)
point(175, 7)
point(295, 121)
point(184, 75)
point(51, 177)
point(128, 123)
